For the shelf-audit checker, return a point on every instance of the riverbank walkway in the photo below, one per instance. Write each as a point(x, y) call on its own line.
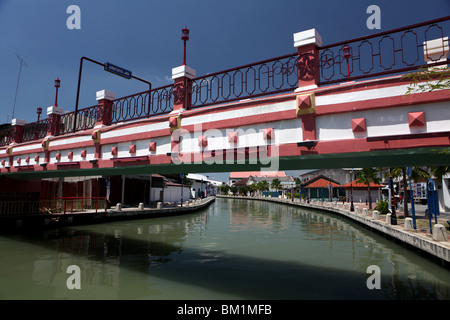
point(435, 243)
point(9, 222)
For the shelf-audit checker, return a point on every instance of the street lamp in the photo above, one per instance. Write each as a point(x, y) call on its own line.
point(352, 208)
point(347, 56)
point(57, 85)
point(39, 112)
point(184, 37)
point(182, 185)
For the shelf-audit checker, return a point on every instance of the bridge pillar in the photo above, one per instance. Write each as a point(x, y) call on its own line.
point(307, 44)
point(182, 88)
point(105, 100)
point(54, 119)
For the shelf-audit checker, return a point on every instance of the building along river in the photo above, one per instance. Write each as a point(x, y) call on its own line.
point(234, 249)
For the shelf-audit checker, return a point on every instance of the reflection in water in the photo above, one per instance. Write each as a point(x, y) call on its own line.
point(235, 249)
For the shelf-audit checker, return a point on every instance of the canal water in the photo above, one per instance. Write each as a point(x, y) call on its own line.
point(234, 249)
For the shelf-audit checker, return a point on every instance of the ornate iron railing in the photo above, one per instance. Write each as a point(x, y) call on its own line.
point(6, 136)
point(391, 52)
point(395, 51)
point(261, 78)
point(144, 104)
point(36, 130)
point(86, 119)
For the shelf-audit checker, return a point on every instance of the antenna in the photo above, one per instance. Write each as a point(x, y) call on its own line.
point(18, 79)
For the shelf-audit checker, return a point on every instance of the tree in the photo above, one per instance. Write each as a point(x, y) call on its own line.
point(263, 185)
point(224, 188)
point(401, 172)
point(244, 189)
point(234, 190)
point(252, 188)
point(417, 174)
point(367, 176)
point(276, 184)
point(428, 80)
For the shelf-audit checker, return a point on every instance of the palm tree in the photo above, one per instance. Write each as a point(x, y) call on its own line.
point(438, 172)
point(417, 174)
point(276, 184)
point(367, 176)
point(252, 188)
point(397, 172)
point(224, 188)
point(263, 185)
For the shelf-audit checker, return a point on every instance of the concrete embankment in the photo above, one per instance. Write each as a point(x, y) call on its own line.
point(42, 221)
point(435, 245)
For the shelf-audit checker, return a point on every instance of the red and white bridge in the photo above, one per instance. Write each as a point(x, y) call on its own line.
point(324, 106)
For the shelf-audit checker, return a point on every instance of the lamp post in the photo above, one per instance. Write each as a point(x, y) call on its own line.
point(352, 208)
point(38, 111)
point(57, 85)
point(392, 199)
point(184, 37)
point(182, 185)
point(412, 197)
point(347, 56)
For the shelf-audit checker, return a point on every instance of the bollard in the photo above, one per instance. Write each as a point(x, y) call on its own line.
point(365, 212)
point(119, 207)
point(141, 206)
point(159, 205)
point(439, 233)
point(375, 215)
point(408, 224)
point(357, 209)
point(388, 218)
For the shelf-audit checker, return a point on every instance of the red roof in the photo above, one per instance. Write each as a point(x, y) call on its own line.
point(363, 185)
point(322, 183)
point(261, 174)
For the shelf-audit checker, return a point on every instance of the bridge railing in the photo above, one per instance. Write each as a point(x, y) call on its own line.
point(252, 80)
point(392, 52)
point(35, 130)
point(143, 104)
point(395, 51)
point(6, 136)
point(86, 118)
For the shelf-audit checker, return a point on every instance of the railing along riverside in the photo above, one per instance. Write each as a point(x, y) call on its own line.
point(19, 207)
point(395, 51)
point(261, 78)
point(73, 204)
point(143, 105)
point(56, 205)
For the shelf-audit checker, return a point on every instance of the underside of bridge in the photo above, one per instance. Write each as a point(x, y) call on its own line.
point(392, 158)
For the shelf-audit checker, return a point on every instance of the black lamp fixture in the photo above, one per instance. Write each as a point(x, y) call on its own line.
point(93, 161)
point(308, 144)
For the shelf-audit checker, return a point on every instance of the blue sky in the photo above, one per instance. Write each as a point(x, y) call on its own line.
point(144, 37)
